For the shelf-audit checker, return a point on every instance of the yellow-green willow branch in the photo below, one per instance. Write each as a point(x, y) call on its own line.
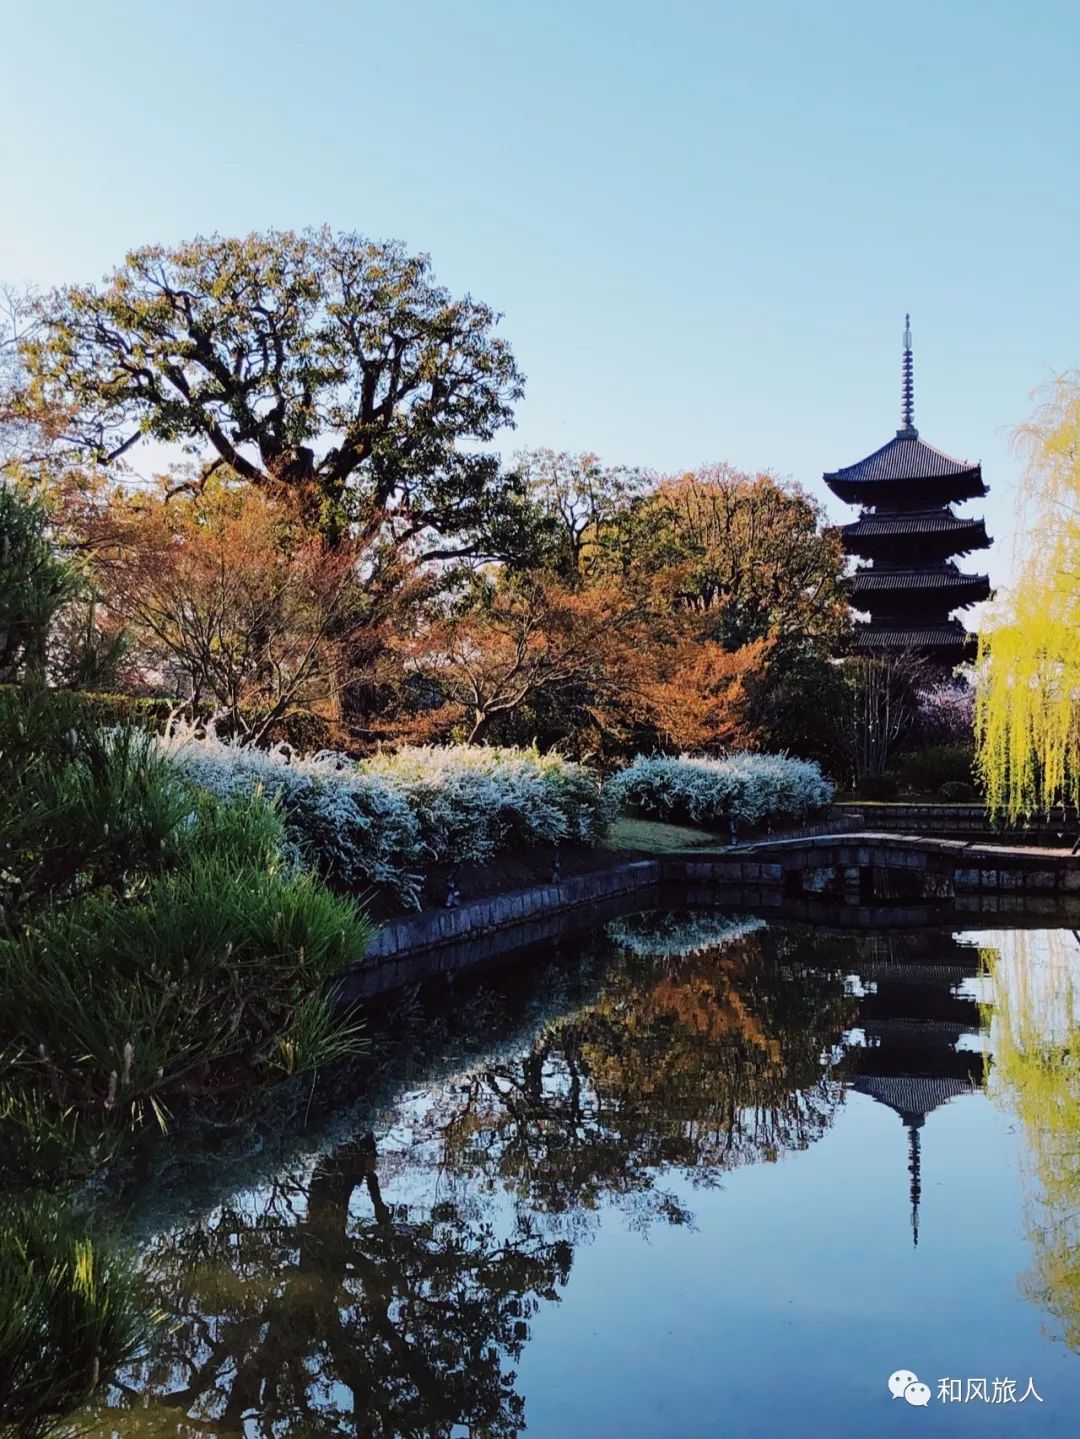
point(1027, 714)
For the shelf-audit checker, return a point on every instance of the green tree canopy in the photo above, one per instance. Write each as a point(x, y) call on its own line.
point(748, 552)
point(577, 506)
point(327, 369)
point(35, 584)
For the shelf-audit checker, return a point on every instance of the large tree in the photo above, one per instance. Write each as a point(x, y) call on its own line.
point(748, 553)
point(228, 606)
point(749, 559)
point(329, 370)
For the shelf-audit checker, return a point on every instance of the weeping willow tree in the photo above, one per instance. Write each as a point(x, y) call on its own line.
point(1027, 714)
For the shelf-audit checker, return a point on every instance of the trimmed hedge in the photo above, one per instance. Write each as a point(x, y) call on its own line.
point(383, 821)
point(878, 788)
point(746, 788)
point(924, 771)
point(92, 707)
point(473, 802)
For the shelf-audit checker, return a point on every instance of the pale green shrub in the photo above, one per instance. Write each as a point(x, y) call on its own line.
point(474, 802)
point(384, 820)
point(746, 788)
point(354, 828)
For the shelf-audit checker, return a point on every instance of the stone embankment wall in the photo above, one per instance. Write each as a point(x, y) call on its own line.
point(808, 873)
point(408, 950)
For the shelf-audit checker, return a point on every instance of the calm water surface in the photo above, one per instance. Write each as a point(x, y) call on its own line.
point(693, 1175)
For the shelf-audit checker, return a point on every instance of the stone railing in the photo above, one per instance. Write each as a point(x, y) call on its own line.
point(956, 819)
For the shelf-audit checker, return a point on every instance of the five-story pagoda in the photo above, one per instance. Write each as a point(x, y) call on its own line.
point(908, 534)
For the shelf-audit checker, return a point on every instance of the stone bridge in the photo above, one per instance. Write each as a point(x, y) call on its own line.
point(866, 866)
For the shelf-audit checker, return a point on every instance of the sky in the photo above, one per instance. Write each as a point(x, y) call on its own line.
point(702, 222)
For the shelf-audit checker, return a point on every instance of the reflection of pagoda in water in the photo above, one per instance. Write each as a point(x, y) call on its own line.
point(913, 1018)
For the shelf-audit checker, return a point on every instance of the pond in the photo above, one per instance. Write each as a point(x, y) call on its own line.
point(691, 1174)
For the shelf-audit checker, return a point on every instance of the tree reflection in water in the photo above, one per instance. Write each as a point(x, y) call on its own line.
point(321, 1308)
point(687, 1063)
point(1035, 1039)
point(387, 1288)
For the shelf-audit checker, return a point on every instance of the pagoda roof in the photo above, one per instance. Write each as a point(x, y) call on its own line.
point(909, 473)
point(915, 972)
point(950, 636)
point(905, 457)
point(939, 577)
point(938, 521)
point(902, 1027)
point(912, 1097)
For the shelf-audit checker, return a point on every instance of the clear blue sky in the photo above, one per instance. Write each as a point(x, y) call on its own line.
point(703, 222)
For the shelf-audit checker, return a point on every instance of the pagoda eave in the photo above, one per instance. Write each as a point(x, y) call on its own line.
point(925, 538)
point(948, 643)
point(939, 585)
point(935, 523)
point(871, 493)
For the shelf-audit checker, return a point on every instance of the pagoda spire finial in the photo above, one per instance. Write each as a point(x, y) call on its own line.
point(915, 1170)
point(907, 389)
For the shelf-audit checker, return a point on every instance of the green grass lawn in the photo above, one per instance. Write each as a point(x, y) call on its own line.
point(654, 836)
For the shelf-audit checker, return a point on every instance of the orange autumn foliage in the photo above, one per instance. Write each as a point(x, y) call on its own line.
point(226, 603)
point(625, 664)
point(695, 695)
